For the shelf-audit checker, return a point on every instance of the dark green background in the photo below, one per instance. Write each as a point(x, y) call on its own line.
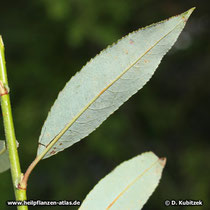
point(47, 41)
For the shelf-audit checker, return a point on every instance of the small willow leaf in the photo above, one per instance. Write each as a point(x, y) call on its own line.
point(106, 82)
point(128, 186)
point(4, 157)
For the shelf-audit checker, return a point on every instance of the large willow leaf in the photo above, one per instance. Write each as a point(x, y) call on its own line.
point(129, 186)
point(4, 157)
point(107, 81)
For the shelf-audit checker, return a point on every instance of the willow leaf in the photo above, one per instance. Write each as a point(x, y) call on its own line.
point(129, 186)
point(106, 82)
point(4, 157)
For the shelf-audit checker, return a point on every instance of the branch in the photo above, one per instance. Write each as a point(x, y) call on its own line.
point(9, 129)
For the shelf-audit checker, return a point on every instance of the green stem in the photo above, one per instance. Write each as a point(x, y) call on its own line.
point(20, 194)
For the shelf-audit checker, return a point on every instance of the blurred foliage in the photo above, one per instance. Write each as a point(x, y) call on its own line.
point(47, 41)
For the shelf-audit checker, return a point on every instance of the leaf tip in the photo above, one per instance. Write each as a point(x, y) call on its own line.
point(162, 161)
point(187, 14)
